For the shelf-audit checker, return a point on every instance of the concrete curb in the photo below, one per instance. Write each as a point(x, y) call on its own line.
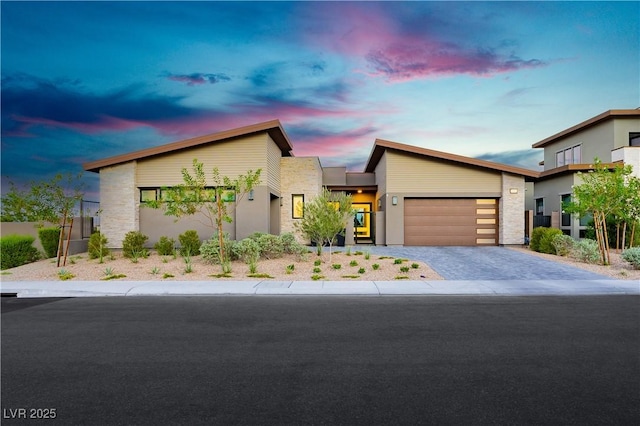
point(365, 288)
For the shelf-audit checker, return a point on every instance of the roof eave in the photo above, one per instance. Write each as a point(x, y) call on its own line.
point(273, 128)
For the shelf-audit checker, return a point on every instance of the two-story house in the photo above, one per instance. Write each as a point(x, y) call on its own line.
point(613, 137)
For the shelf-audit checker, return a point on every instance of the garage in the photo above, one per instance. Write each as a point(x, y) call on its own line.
point(450, 221)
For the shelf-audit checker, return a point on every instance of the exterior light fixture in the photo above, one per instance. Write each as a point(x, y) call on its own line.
point(513, 190)
point(359, 191)
point(394, 200)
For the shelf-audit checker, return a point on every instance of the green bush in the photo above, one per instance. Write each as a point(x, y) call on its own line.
point(563, 244)
point(98, 243)
point(165, 246)
point(189, 243)
point(133, 244)
point(271, 246)
point(536, 235)
point(49, 238)
point(632, 255)
point(586, 251)
point(546, 242)
point(210, 250)
point(247, 250)
point(17, 250)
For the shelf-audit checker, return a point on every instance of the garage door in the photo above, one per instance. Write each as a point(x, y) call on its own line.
point(450, 221)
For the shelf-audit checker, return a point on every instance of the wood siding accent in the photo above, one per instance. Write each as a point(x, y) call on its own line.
point(381, 176)
point(408, 173)
point(272, 174)
point(232, 158)
point(449, 222)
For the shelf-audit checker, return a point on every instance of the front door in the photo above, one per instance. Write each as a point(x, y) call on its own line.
point(362, 220)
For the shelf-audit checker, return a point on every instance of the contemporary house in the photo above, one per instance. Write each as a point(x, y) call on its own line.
point(613, 137)
point(406, 195)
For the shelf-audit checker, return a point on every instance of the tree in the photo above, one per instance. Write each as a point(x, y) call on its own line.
point(48, 201)
point(214, 202)
point(606, 194)
point(325, 217)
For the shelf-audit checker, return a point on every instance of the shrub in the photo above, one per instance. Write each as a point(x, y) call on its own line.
point(271, 246)
point(17, 250)
point(536, 235)
point(336, 266)
point(632, 255)
point(397, 261)
point(98, 246)
point(361, 271)
point(546, 242)
point(247, 250)
point(563, 244)
point(133, 244)
point(210, 249)
point(404, 269)
point(165, 246)
point(586, 251)
point(289, 244)
point(49, 238)
point(375, 266)
point(189, 243)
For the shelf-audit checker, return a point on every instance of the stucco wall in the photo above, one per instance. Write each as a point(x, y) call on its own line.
point(298, 175)
point(119, 201)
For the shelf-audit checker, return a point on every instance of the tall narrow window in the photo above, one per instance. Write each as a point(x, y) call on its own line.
point(539, 206)
point(297, 206)
point(566, 217)
point(577, 154)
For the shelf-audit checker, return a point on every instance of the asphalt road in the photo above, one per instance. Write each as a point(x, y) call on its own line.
point(322, 360)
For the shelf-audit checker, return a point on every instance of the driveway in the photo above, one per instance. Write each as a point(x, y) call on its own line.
point(488, 263)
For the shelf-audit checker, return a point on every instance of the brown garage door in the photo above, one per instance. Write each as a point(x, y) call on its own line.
point(450, 221)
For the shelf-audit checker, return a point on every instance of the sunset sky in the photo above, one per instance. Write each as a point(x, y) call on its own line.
point(87, 80)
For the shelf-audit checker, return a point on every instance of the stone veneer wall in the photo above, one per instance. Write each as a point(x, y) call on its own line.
point(298, 175)
point(119, 201)
point(511, 216)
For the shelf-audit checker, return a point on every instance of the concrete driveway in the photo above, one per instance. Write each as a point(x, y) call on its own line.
point(488, 263)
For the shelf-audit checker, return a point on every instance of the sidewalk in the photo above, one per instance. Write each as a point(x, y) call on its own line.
point(367, 288)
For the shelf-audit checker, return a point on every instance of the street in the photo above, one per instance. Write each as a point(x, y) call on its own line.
point(322, 360)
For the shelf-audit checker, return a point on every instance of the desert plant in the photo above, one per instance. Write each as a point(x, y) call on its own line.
point(108, 271)
point(210, 250)
point(563, 244)
point(167, 275)
point(415, 266)
point(361, 271)
point(65, 275)
point(375, 266)
point(587, 251)
point(98, 246)
point(317, 277)
point(49, 238)
point(353, 263)
point(253, 267)
point(226, 268)
point(546, 242)
point(367, 255)
point(348, 253)
point(336, 266)
point(397, 261)
point(271, 246)
point(290, 268)
point(188, 265)
point(404, 269)
point(632, 255)
point(17, 250)
point(165, 246)
point(133, 244)
point(536, 235)
point(189, 243)
point(247, 250)
point(317, 270)
point(155, 270)
point(317, 262)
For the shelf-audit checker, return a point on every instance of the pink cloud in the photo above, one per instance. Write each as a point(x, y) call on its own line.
point(401, 53)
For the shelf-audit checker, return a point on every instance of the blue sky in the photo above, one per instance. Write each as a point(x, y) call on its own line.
point(87, 80)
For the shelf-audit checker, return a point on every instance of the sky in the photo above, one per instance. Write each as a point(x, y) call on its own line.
point(82, 81)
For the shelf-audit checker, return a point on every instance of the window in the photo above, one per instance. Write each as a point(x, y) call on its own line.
point(148, 195)
point(297, 206)
point(566, 217)
point(539, 206)
point(572, 155)
point(634, 139)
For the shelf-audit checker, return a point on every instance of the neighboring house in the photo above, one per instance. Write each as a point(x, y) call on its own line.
point(405, 196)
point(612, 137)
